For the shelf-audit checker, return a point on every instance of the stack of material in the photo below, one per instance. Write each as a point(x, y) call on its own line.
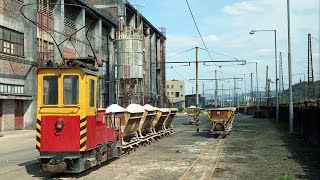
point(168, 122)
point(146, 124)
point(162, 116)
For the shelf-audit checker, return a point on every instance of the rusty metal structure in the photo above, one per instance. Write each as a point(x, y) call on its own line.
point(310, 70)
point(281, 86)
point(139, 66)
point(44, 28)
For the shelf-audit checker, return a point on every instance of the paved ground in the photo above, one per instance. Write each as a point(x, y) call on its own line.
point(255, 149)
point(17, 147)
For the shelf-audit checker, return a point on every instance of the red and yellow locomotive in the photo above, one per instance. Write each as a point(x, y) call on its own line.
point(71, 133)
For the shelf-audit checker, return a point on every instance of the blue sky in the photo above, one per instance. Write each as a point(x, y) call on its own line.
point(225, 26)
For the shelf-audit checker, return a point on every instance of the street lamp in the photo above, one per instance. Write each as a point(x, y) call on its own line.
point(290, 71)
point(275, 58)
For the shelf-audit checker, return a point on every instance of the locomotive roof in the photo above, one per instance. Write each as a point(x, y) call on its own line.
point(86, 71)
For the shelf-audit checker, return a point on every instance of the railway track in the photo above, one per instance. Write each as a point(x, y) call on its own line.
point(206, 163)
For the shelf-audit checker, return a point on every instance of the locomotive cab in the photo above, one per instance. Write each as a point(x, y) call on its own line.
point(71, 135)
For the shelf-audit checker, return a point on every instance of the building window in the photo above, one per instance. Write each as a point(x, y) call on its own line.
point(168, 93)
point(171, 93)
point(11, 88)
point(168, 86)
point(181, 86)
point(11, 42)
point(177, 94)
point(45, 50)
point(172, 86)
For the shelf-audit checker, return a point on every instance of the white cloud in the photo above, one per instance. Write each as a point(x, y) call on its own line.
point(185, 41)
point(241, 8)
point(265, 52)
point(181, 41)
point(211, 38)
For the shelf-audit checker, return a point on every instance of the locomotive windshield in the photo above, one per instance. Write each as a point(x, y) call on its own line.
point(70, 89)
point(50, 90)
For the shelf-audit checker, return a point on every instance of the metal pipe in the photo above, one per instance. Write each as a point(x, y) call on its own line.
point(290, 71)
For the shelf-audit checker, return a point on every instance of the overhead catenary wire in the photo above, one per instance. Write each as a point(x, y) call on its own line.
point(222, 54)
point(199, 31)
point(179, 53)
point(181, 76)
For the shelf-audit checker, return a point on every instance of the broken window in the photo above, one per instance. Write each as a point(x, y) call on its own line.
point(11, 42)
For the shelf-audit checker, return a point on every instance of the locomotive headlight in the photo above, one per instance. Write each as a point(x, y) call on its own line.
point(59, 124)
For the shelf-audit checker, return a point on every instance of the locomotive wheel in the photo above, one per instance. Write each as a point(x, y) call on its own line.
point(215, 135)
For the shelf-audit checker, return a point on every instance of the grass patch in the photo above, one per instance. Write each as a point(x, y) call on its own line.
point(286, 177)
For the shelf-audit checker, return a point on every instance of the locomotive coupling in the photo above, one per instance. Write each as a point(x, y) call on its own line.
point(54, 166)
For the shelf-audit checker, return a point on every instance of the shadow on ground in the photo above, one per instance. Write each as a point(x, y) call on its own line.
point(304, 153)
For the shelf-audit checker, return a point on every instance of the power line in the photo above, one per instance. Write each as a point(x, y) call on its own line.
point(179, 53)
point(181, 75)
point(315, 39)
point(199, 31)
point(219, 53)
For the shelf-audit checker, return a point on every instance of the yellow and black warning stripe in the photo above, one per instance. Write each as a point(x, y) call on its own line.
point(83, 134)
point(38, 134)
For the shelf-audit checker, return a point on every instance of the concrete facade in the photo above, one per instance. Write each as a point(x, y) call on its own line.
point(130, 88)
point(106, 20)
point(175, 92)
point(17, 70)
point(18, 85)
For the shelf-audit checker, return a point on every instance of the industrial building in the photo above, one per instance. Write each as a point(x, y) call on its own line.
point(131, 48)
point(192, 98)
point(176, 93)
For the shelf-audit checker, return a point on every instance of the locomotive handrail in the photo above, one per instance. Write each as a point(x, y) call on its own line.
point(57, 107)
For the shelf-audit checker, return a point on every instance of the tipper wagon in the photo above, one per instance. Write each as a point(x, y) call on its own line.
point(222, 119)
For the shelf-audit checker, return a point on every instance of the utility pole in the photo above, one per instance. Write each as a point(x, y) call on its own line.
point(238, 98)
point(310, 70)
point(257, 95)
point(245, 90)
point(290, 71)
point(281, 87)
point(234, 91)
point(222, 99)
point(251, 91)
point(216, 90)
point(267, 88)
point(229, 99)
point(202, 89)
point(301, 92)
point(197, 93)
point(276, 64)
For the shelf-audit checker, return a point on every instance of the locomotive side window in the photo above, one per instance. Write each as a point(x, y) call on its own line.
point(50, 90)
point(70, 89)
point(91, 95)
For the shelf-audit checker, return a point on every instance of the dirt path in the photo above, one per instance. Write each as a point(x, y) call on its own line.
point(257, 149)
